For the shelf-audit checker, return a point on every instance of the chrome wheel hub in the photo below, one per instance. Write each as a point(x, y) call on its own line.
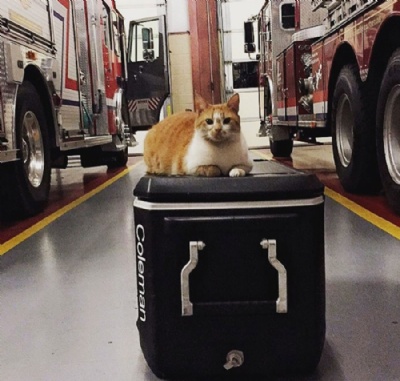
point(391, 133)
point(344, 130)
point(32, 149)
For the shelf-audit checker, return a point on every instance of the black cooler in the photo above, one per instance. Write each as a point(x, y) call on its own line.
point(230, 273)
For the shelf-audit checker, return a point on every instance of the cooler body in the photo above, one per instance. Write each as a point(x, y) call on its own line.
point(230, 287)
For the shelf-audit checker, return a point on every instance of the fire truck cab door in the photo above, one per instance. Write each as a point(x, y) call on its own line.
point(148, 81)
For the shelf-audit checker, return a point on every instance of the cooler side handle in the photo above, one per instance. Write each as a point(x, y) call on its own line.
point(281, 302)
point(194, 247)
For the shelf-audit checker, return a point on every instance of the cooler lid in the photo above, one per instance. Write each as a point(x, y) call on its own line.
point(269, 180)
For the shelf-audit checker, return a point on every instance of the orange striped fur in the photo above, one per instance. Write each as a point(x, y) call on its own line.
point(203, 143)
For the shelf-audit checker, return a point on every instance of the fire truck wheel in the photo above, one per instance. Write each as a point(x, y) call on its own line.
point(281, 148)
point(29, 177)
point(118, 159)
point(388, 131)
point(353, 140)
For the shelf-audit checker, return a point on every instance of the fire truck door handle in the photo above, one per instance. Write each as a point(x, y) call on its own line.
point(82, 77)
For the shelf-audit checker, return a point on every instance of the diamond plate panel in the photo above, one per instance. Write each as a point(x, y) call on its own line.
point(65, 83)
point(308, 18)
point(8, 97)
point(98, 10)
point(2, 77)
point(84, 66)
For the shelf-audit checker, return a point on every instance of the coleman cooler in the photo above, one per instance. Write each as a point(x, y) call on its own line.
point(230, 273)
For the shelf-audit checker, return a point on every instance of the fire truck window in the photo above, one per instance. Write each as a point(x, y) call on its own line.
point(245, 74)
point(106, 26)
point(144, 41)
point(287, 16)
point(116, 34)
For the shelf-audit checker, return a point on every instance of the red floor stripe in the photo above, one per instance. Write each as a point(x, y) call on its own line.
point(67, 186)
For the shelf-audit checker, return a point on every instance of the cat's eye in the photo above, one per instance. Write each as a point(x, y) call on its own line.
point(209, 121)
point(227, 120)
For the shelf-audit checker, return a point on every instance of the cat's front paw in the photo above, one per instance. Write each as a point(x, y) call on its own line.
point(237, 172)
point(208, 171)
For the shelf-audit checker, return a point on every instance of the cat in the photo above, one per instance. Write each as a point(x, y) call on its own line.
point(208, 142)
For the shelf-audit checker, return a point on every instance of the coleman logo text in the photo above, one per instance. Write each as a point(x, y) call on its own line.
point(141, 260)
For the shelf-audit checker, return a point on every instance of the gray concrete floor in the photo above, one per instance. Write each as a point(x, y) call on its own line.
point(68, 298)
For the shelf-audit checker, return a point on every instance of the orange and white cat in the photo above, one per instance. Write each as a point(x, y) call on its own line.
point(203, 143)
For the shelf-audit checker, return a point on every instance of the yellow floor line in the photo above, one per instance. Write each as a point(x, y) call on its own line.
point(372, 218)
point(379, 222)
point(10, 244)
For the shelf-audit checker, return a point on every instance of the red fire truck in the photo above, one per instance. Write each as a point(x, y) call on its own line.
point(62, 81)
point(333, 68)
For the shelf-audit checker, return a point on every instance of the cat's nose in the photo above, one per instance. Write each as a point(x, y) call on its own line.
point(216, 133)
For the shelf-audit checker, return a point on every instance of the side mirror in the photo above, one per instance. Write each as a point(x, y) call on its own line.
point(249, 45)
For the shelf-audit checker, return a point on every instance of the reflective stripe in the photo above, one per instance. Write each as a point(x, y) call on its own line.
point(146, 205)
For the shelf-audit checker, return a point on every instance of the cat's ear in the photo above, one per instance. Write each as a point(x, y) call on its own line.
point(200, 103)
point(233, 102)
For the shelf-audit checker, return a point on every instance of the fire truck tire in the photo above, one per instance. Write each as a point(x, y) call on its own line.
point(28, 179)
point(118, 159)
point(281, 148)
point(353, 139)
point(388, 131)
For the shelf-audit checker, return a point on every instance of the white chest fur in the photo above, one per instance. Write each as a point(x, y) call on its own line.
point(225, 156)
